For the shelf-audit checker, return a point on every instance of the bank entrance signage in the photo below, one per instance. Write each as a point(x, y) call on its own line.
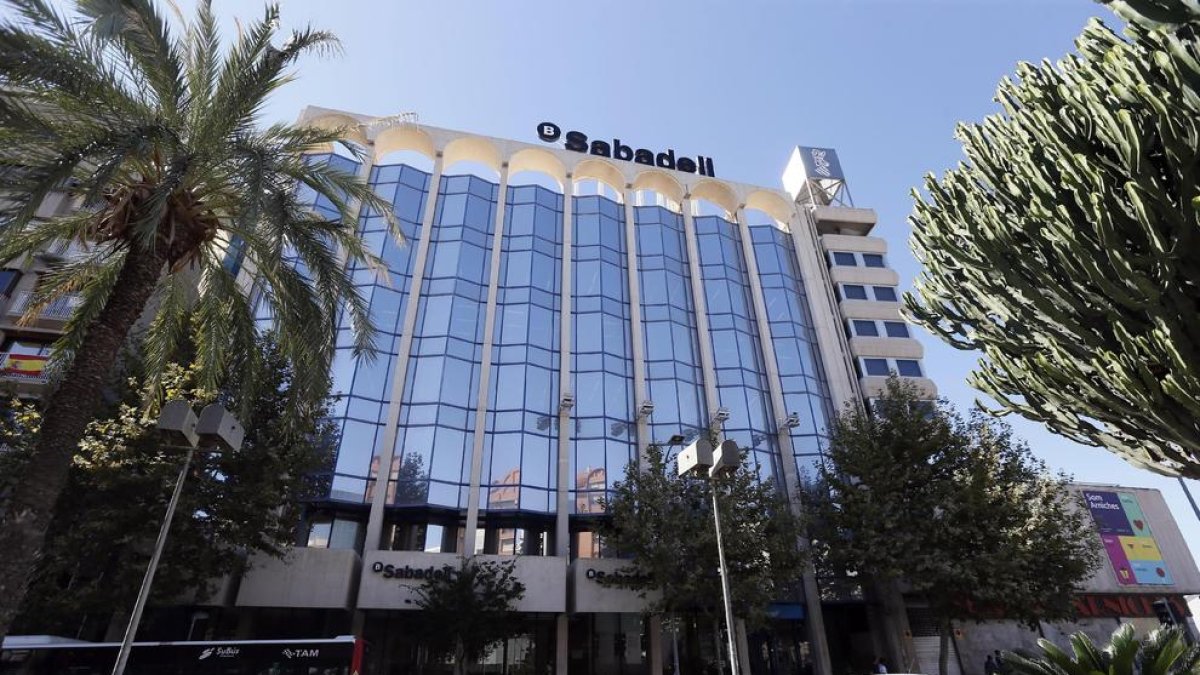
point(577, 141)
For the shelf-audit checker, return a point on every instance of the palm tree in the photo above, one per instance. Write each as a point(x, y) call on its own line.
point(156, 138)
point(1163, 652)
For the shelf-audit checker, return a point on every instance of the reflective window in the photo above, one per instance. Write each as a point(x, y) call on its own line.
point(865, 328)
point(854, 292)
point(872, 260)
point(673, 374)
point(844, 259)
point(885, 293)
point(805, 390)
point(520, 439)
point(876, 367)
point(908, 367)
point(737, 351)
point(8, 281)
point(896, 329)
point(339, 532)
point(432, 460)
point(603, 430)
point(362, 387)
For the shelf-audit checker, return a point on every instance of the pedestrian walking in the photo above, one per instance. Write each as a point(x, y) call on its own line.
point(989, 665)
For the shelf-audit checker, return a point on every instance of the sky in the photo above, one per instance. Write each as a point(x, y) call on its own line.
point(742, 81)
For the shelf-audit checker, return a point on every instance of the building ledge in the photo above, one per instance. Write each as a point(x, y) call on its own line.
point(843, 220)
point(304, 577)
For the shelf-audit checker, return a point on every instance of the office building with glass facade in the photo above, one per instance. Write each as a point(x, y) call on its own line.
point(551, 314)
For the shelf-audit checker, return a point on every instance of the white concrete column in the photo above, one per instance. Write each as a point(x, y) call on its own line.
point(700, 303)
point(826, 314)
point(562, 542)
point(656, 644)
point(390, 428)
point(812, 597)
point(485, 367)
point(636, 330)
point(561, 634)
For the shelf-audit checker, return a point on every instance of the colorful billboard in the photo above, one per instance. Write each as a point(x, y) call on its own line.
point(1128, 539)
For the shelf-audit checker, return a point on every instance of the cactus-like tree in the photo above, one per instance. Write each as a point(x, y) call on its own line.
point(1067, 246)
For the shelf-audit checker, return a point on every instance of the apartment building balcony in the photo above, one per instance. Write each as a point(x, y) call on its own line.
point(25, 373)
point(54, 314)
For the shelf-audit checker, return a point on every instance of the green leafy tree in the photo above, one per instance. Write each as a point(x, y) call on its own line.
point(959, 510)
point(234, 503)
point(1164, 652)
point(664, 523)
point(156, 133)
point(1066, 247)
point(470, 610)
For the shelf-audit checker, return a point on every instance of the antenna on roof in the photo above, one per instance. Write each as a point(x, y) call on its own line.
point(405, 118)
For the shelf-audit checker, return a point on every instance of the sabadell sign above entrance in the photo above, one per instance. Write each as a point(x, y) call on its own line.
point(577, 141)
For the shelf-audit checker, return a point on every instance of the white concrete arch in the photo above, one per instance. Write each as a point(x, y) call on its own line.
point(600, 170)
point(472, 149)
point(537, 161)
point(351, 129)
point(771, 204)
point(403, 137)
point(717, 193)
point(661, 182)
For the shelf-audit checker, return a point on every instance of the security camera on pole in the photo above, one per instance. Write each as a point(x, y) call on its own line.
point(699, 459)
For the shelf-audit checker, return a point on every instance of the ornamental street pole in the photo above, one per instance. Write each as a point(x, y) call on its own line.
point(148, 579)
point(215, 429)
point(733, 662)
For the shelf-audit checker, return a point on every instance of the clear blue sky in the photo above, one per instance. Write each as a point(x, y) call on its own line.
point(742, 81)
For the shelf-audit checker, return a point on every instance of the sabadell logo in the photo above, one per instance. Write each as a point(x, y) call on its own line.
point(577, 141)
point(408, 572)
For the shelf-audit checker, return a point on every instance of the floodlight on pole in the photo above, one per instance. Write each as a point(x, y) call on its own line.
point(699, 459)
point(215, 429)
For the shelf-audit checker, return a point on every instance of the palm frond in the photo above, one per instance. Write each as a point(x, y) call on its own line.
point(94, 291)
point(145, 37)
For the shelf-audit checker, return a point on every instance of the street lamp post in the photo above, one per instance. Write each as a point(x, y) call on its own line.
point(700, 459)
point(215, 429)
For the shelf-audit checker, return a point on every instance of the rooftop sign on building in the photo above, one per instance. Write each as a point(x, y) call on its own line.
point(577, 141)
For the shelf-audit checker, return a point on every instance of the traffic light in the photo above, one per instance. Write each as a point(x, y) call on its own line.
point(1165, 612)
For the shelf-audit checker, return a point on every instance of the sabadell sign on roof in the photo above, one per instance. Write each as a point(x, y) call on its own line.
point(577, 141)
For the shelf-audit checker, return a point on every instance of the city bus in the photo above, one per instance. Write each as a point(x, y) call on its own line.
point(46, 655)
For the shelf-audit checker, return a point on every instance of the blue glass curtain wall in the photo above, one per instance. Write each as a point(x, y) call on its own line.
point(805, 389)
point(437, 413)
point(737, 356)
point(674, 377)
point(604, 438)
point(362, 385)
point(520, 438)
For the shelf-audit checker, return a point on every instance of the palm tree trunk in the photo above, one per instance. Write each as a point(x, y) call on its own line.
point(66, 415)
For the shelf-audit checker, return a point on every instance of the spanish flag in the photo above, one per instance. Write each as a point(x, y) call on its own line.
point(24, 364)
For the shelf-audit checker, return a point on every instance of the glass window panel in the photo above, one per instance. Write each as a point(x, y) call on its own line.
point(885, 293)
point(844, 259)
point(896, 329)
point(878, 367)
point(854, 292)
point(908, 367)
point(318, 534)
point(865, 329)
point(344, 534)
point(872, 260)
